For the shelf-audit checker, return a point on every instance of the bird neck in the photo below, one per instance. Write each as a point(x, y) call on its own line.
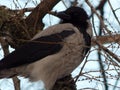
point(82, 26)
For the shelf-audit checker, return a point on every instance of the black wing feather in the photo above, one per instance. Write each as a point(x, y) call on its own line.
point(35, 50)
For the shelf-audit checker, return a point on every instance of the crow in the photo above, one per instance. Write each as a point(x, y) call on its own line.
point(52, 53)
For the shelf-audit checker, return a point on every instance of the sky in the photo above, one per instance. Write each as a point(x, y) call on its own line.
point(92, 65)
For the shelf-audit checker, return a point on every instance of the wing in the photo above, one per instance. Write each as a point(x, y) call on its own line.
point(35, 50)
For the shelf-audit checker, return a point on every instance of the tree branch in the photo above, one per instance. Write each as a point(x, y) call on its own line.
point(108, 51)
point(34, 20)
point(106, 39)
point(5, 47)
point(113, 12)
point(101, 21)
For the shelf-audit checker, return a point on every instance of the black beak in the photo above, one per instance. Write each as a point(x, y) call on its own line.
point(63, 15)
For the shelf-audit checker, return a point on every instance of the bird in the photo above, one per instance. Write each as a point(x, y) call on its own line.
point(54, 52)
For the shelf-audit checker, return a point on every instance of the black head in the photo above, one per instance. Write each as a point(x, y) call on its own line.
point(73, 15)
point(78, 17)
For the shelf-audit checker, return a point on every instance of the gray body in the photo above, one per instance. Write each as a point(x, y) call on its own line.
point(59, 64)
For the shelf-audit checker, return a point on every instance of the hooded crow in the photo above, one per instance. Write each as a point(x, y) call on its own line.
point(52, 53)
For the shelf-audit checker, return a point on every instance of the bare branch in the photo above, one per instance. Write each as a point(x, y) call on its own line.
point(16, 82)
point(35, 18)
point(5, 48)
point(113, 12)
point(108, 51)
point(106, 39)
point(101, 20)
point(101, 5)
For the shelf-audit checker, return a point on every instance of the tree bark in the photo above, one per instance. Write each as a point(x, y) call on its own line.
point(34, 20)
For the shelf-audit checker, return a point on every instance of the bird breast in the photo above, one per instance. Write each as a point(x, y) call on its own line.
point(58, 65)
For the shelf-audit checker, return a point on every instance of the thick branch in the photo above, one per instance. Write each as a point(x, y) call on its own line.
point(101, 4)
point(34, 20)
point(108, 51)
point(106, 39)
point(5, 48)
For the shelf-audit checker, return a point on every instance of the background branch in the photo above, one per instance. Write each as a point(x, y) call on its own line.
point(16, 29)
point(5, 47)
point(107, 39)
point(34, 20)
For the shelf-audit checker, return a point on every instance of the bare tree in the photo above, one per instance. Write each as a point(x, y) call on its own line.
point(16, 29)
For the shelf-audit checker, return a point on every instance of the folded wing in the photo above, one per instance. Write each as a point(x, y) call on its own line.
point(35, 50)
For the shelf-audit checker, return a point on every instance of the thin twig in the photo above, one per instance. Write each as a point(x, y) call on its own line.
point(113, 12)
point(108, 51)
point(101, 21)
point(76, 78)
point(16, 82)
